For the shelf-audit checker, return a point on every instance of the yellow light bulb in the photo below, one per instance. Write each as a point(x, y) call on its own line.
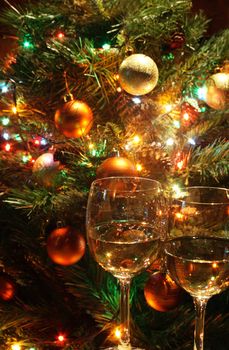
point(139, 167)
point(168, 108)
point(117, 333)
point(14, 110)
point(16, 346)
point(91, 146)
point(136, 139)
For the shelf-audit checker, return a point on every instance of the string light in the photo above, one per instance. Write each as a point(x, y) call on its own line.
point(202, 92)
point(7, 147)
point(180, 164)
point(37, 142)
point(117, 333)
point(179, 216)
point(168, 108)
point(16, 346)
point(191, 141)
point(176, 124)
point(136, 139)
point(43, 142)
point(170, 142)
point(139, 167)
point(106, 46)
point(4, 88)
point(60, 35)
point(91, 146)
point(186, 116)
point(136, 100)
point(5, 121)
point(119, 89)
point(61, 338)
point(14, 110)
point(5, 135)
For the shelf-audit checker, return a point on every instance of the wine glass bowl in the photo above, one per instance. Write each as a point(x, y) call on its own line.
point(124, 230)
point(197, 247)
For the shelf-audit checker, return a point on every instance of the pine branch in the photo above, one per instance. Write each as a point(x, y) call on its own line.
point(209, 162)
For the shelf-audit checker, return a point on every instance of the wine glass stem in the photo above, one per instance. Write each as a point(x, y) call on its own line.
point(125, 310)
point(200, 307)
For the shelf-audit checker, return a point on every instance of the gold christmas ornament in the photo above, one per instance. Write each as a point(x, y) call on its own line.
point(138, 74)
point(74, 119)
point(215, 98)
point(116, 166)
point(220, 80)
point(66, 246)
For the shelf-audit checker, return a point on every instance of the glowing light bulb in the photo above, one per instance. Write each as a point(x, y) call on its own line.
point(202, 92)
point(60, 35)
point(139, 167)
point(176, 123)
point(61, 338)
point(168, 108)
point(43, 142)
point(136, 139)
point(5, 121)
point(191, 141)
point(14, 110)
point(91, 146)
point(106, 46)
point(119, 89)
point(37, 142)
point(7, 147)
point(180, 164)
point(6, 136)
point(117, 333)
point(16, 346)
point(186, 116)
point(4, 89)
point(136, 100)
point(179, 216)
point(170, 142)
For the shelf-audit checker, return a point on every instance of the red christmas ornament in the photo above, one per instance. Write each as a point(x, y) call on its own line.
point(162, 293)
point(74, 119)
point(116, 166)
point(66, 246)
point(7, 287)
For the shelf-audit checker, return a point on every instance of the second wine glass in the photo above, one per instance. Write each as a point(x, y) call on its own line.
point(197, 250)
point(123, 229)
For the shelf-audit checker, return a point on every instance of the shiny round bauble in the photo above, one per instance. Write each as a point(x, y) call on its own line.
point(65, 246)
point(7, 287)
point(220, 80)
point(45, 161)
point(74, 119)
point(116, 166)
point(162, 293)
point(215, 98)
point(138, 74)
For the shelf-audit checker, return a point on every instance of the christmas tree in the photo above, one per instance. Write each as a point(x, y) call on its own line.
point(93, 89)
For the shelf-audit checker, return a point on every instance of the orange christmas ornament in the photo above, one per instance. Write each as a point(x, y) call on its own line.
point(7, 287)
point(74, 119)
point(162, 293)
point(116, 166)
point(66, 246)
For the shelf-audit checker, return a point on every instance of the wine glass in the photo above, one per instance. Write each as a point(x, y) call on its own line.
point(123, 232)
point(197, 249)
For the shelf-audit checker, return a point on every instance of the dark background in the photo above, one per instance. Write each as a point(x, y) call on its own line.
point(216, 10)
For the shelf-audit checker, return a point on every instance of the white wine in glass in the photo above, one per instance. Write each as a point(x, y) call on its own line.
point(197, 250)
point(124, 227)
